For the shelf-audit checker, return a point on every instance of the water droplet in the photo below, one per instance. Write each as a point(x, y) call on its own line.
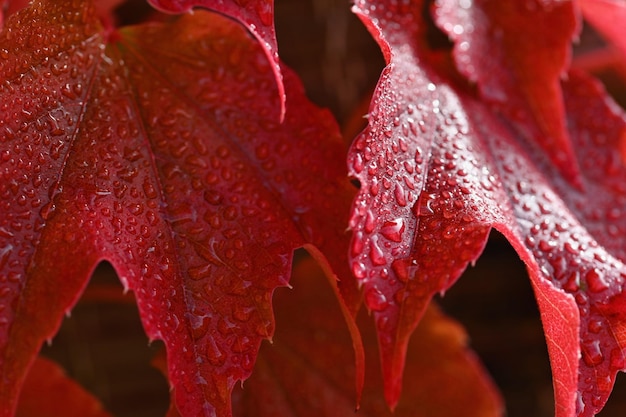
point(213, 197)
point(400, 195)
point(70, 236)
point(573, 283)
point(592, 355)
point(375, 300)
point(376, 253)
point(47, 210)
point(358, 164)
point(242, 344)
point(595, 282)
point(242, 313)
point(199, 326)
point(547, 245)
point(424, 206)
point(214, 353)
point(223, 152)
point(393, 230)
point(262, 151)
point(595, 326)
point(570, 248)
point(370, 222)
point(357, 244)
point(401, 269)
point(199, 272)
point(5, 233)
point(359, 270)
point(374, 187)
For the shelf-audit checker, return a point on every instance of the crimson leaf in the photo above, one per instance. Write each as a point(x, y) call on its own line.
point(162, 153)
point(439, 168)
point(519, 74)
point(256, 15)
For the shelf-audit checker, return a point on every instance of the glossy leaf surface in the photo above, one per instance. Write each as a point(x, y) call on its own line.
point(256, 15)
point(520, 75)
point(161, 152)
point(439, 168)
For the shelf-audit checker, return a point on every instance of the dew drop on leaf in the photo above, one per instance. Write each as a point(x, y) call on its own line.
point(242, 313)
point(572, 284)
point(214, 353)
point(357, 244)
point(400, 195)
point(376, 300)
point(400, 268)
point(592, 355)
point(370, 221)
point(393, 229)
point(199, 272)
point(359, 269)
point(376, 253)
point(595, 282)
point(595, 326)
point(47, 210)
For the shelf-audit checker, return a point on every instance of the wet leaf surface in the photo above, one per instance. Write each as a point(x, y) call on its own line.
point(439, 168)
point(161, 152)
point(256, 15)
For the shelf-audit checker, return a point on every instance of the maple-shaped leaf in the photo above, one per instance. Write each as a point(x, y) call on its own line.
point(439, 168)
point(256, 15)
point(607, 16)
point(291, 378)
point(160, 152)
point(519, 74)
point(48, 392)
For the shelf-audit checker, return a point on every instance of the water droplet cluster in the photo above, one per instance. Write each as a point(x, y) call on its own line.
point(237, 190)
point(47, 58)
point(417, 226)
point(521, 85)
point(426, 195)
point(217, 216)
point(570, 257)
point(174, 166)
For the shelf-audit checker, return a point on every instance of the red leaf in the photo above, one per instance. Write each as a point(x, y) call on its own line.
point(161, 153)
point(48, 392)
point(438, 169)
point(256, 15)
point(607, 16)
point(517, 52)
